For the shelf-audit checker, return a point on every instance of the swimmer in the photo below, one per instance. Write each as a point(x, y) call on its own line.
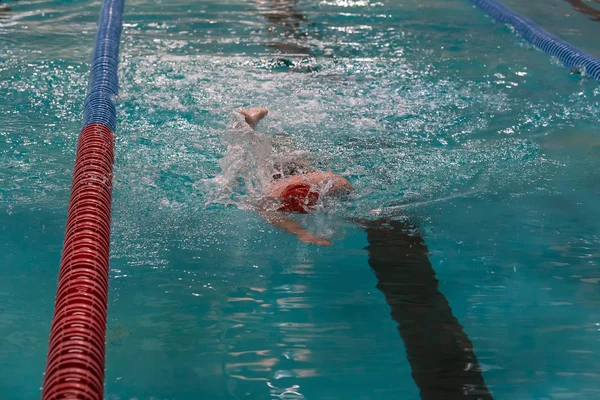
point(296, 188)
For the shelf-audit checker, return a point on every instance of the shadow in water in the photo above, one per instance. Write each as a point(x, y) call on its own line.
point(440, 353)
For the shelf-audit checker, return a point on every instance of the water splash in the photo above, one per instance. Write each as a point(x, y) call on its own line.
point(250, 162)
point(245, 166)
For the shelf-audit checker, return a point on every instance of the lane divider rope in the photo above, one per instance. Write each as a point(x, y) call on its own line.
point(568, 54)
point(76, 354)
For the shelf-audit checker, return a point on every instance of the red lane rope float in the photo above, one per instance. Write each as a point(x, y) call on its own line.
point(75, 364)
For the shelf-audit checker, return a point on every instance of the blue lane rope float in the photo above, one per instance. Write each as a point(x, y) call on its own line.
point(99, 107)
point(542, 39)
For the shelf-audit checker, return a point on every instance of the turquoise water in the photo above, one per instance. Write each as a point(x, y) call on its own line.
point(431, 110)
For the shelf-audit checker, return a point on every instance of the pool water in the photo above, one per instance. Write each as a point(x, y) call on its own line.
point(436, 115)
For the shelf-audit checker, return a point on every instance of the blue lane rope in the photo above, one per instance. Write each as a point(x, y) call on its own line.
point(99, 107)
point(542, 39)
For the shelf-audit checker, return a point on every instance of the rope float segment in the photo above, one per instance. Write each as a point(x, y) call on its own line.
point(76, 354)
point(568, 54)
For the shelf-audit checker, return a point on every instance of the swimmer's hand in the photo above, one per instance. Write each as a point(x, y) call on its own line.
point(309, 238)
point(282, 221)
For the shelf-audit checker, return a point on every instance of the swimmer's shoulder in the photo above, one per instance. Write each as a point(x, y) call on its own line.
point(339, 182)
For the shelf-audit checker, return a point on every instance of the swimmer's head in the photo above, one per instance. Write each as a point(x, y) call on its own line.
point(298, 198)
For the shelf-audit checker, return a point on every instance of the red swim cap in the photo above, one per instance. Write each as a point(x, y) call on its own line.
point(298, 198)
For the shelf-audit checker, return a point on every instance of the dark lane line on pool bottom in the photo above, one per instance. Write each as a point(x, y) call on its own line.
point(4, 11)
point(285, 23)
point(588, 10)
point(444, 365)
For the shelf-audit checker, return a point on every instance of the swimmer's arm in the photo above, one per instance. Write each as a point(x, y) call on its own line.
point(282, 221)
